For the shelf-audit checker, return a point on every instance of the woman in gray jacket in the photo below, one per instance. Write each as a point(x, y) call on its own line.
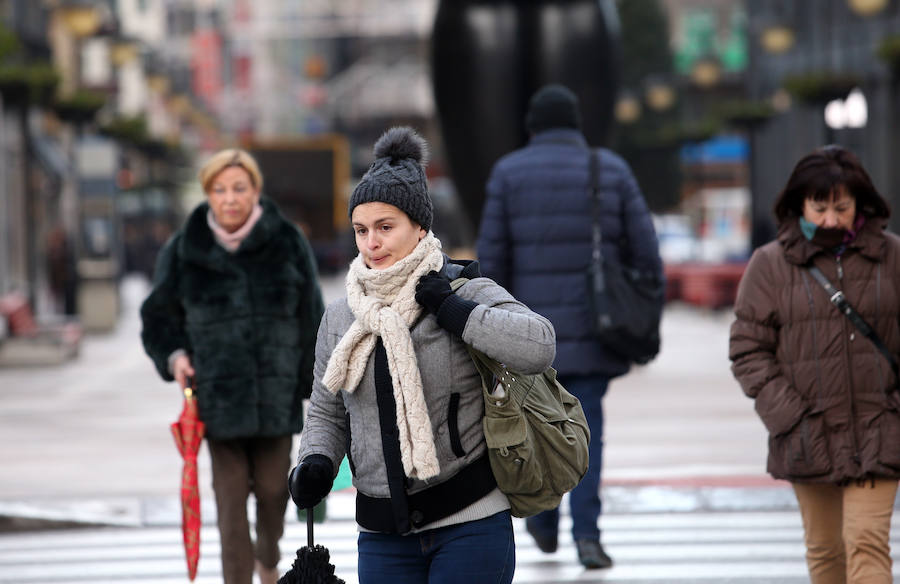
point(396, 391)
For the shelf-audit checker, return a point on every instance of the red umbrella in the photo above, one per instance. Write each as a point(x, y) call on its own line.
point(188, 432)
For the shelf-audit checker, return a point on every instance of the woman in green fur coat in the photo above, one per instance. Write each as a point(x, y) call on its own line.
point(235, 307)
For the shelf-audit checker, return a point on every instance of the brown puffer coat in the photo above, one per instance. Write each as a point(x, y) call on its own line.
point(820, 387)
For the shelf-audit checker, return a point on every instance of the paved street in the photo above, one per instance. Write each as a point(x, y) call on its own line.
point(648, 548)
point(87, 444)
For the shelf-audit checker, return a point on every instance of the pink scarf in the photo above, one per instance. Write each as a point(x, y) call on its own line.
point(232, 241)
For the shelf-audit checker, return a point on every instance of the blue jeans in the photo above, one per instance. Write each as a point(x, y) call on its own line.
point(482, 552)
point(584, 500)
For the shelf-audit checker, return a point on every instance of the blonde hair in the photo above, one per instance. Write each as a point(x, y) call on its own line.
point(226, 158)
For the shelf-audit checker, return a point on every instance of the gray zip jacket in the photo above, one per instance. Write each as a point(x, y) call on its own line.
point(500, 326)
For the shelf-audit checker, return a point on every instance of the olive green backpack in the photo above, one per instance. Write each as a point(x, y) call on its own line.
point(536, 434)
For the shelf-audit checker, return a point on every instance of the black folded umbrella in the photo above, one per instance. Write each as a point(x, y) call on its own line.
point(313, 563)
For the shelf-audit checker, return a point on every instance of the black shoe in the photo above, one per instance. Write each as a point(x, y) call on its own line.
point(591, 554)
point(545, 543)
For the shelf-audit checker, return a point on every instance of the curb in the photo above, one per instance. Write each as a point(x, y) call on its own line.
point(18, 516)
point(622, 498)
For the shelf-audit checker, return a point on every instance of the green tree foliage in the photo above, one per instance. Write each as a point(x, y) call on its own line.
point(647, 144)
point(9, 42)
point(23, 82)
point(889, 52)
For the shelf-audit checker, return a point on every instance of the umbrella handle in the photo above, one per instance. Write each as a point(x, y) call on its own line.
point(189, 387)
point(309, 527)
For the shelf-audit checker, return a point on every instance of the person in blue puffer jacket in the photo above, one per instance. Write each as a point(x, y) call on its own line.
point(535, 240)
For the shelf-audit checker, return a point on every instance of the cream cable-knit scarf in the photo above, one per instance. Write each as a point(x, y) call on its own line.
point(384, 304)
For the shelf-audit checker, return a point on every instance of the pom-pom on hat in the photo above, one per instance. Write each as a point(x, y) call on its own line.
point(397, 177)
point(552, 106)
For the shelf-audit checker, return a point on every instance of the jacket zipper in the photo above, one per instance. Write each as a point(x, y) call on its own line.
point(852, 424)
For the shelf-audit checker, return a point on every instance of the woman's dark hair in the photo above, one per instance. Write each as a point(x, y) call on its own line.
point(819, 173)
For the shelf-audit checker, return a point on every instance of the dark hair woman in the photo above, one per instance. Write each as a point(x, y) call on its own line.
point(235, 305)
point(825, 393)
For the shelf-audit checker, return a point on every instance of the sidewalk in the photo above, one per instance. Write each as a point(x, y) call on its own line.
point(89, 441)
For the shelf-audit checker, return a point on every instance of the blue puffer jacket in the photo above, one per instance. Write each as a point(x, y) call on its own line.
point(535, 237)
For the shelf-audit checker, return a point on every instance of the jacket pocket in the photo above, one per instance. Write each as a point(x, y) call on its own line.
point(512, 455)
point(453, 426)
point(802, 452)
point(888, 432)
point(349, 445)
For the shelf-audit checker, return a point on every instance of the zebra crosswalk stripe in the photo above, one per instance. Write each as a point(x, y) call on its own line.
point(740, 547)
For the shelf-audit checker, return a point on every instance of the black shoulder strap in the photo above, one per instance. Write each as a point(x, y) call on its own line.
point(594, 165)
point(840, 301)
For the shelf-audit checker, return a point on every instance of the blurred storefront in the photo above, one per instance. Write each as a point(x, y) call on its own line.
point(719, 98)
point(302, 68)
point(32, 167)
point(776, 77)
point(296, 74)
point(93, 105)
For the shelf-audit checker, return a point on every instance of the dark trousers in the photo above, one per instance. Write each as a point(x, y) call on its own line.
point(467, 553)
point(240, 467)
point(584, 500)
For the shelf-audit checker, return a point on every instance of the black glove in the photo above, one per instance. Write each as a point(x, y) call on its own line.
point(311, 480)
point(432, 290)
point(434, 293)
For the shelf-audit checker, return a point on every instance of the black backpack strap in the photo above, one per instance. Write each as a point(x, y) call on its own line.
point(840, 301)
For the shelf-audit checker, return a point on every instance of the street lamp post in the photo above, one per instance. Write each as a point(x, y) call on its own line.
point(867, 7)
point(777, 38)
point(123, 51)
point(659, 93)
point(627, 109)
point(706, 72)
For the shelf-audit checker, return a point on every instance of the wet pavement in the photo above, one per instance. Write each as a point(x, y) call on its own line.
point(685, 494)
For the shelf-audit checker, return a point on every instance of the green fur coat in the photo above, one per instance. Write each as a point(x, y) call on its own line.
point(247, 319)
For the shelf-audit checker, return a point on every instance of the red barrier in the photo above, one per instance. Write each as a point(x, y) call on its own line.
point(707, 285)
point(14, 306)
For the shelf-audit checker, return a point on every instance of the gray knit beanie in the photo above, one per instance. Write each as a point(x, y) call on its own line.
point(397, 176)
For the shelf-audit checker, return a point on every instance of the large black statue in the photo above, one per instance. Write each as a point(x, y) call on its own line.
point(489, 56)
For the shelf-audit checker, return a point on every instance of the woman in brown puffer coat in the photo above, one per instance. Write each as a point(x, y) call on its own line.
point(825, 393)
